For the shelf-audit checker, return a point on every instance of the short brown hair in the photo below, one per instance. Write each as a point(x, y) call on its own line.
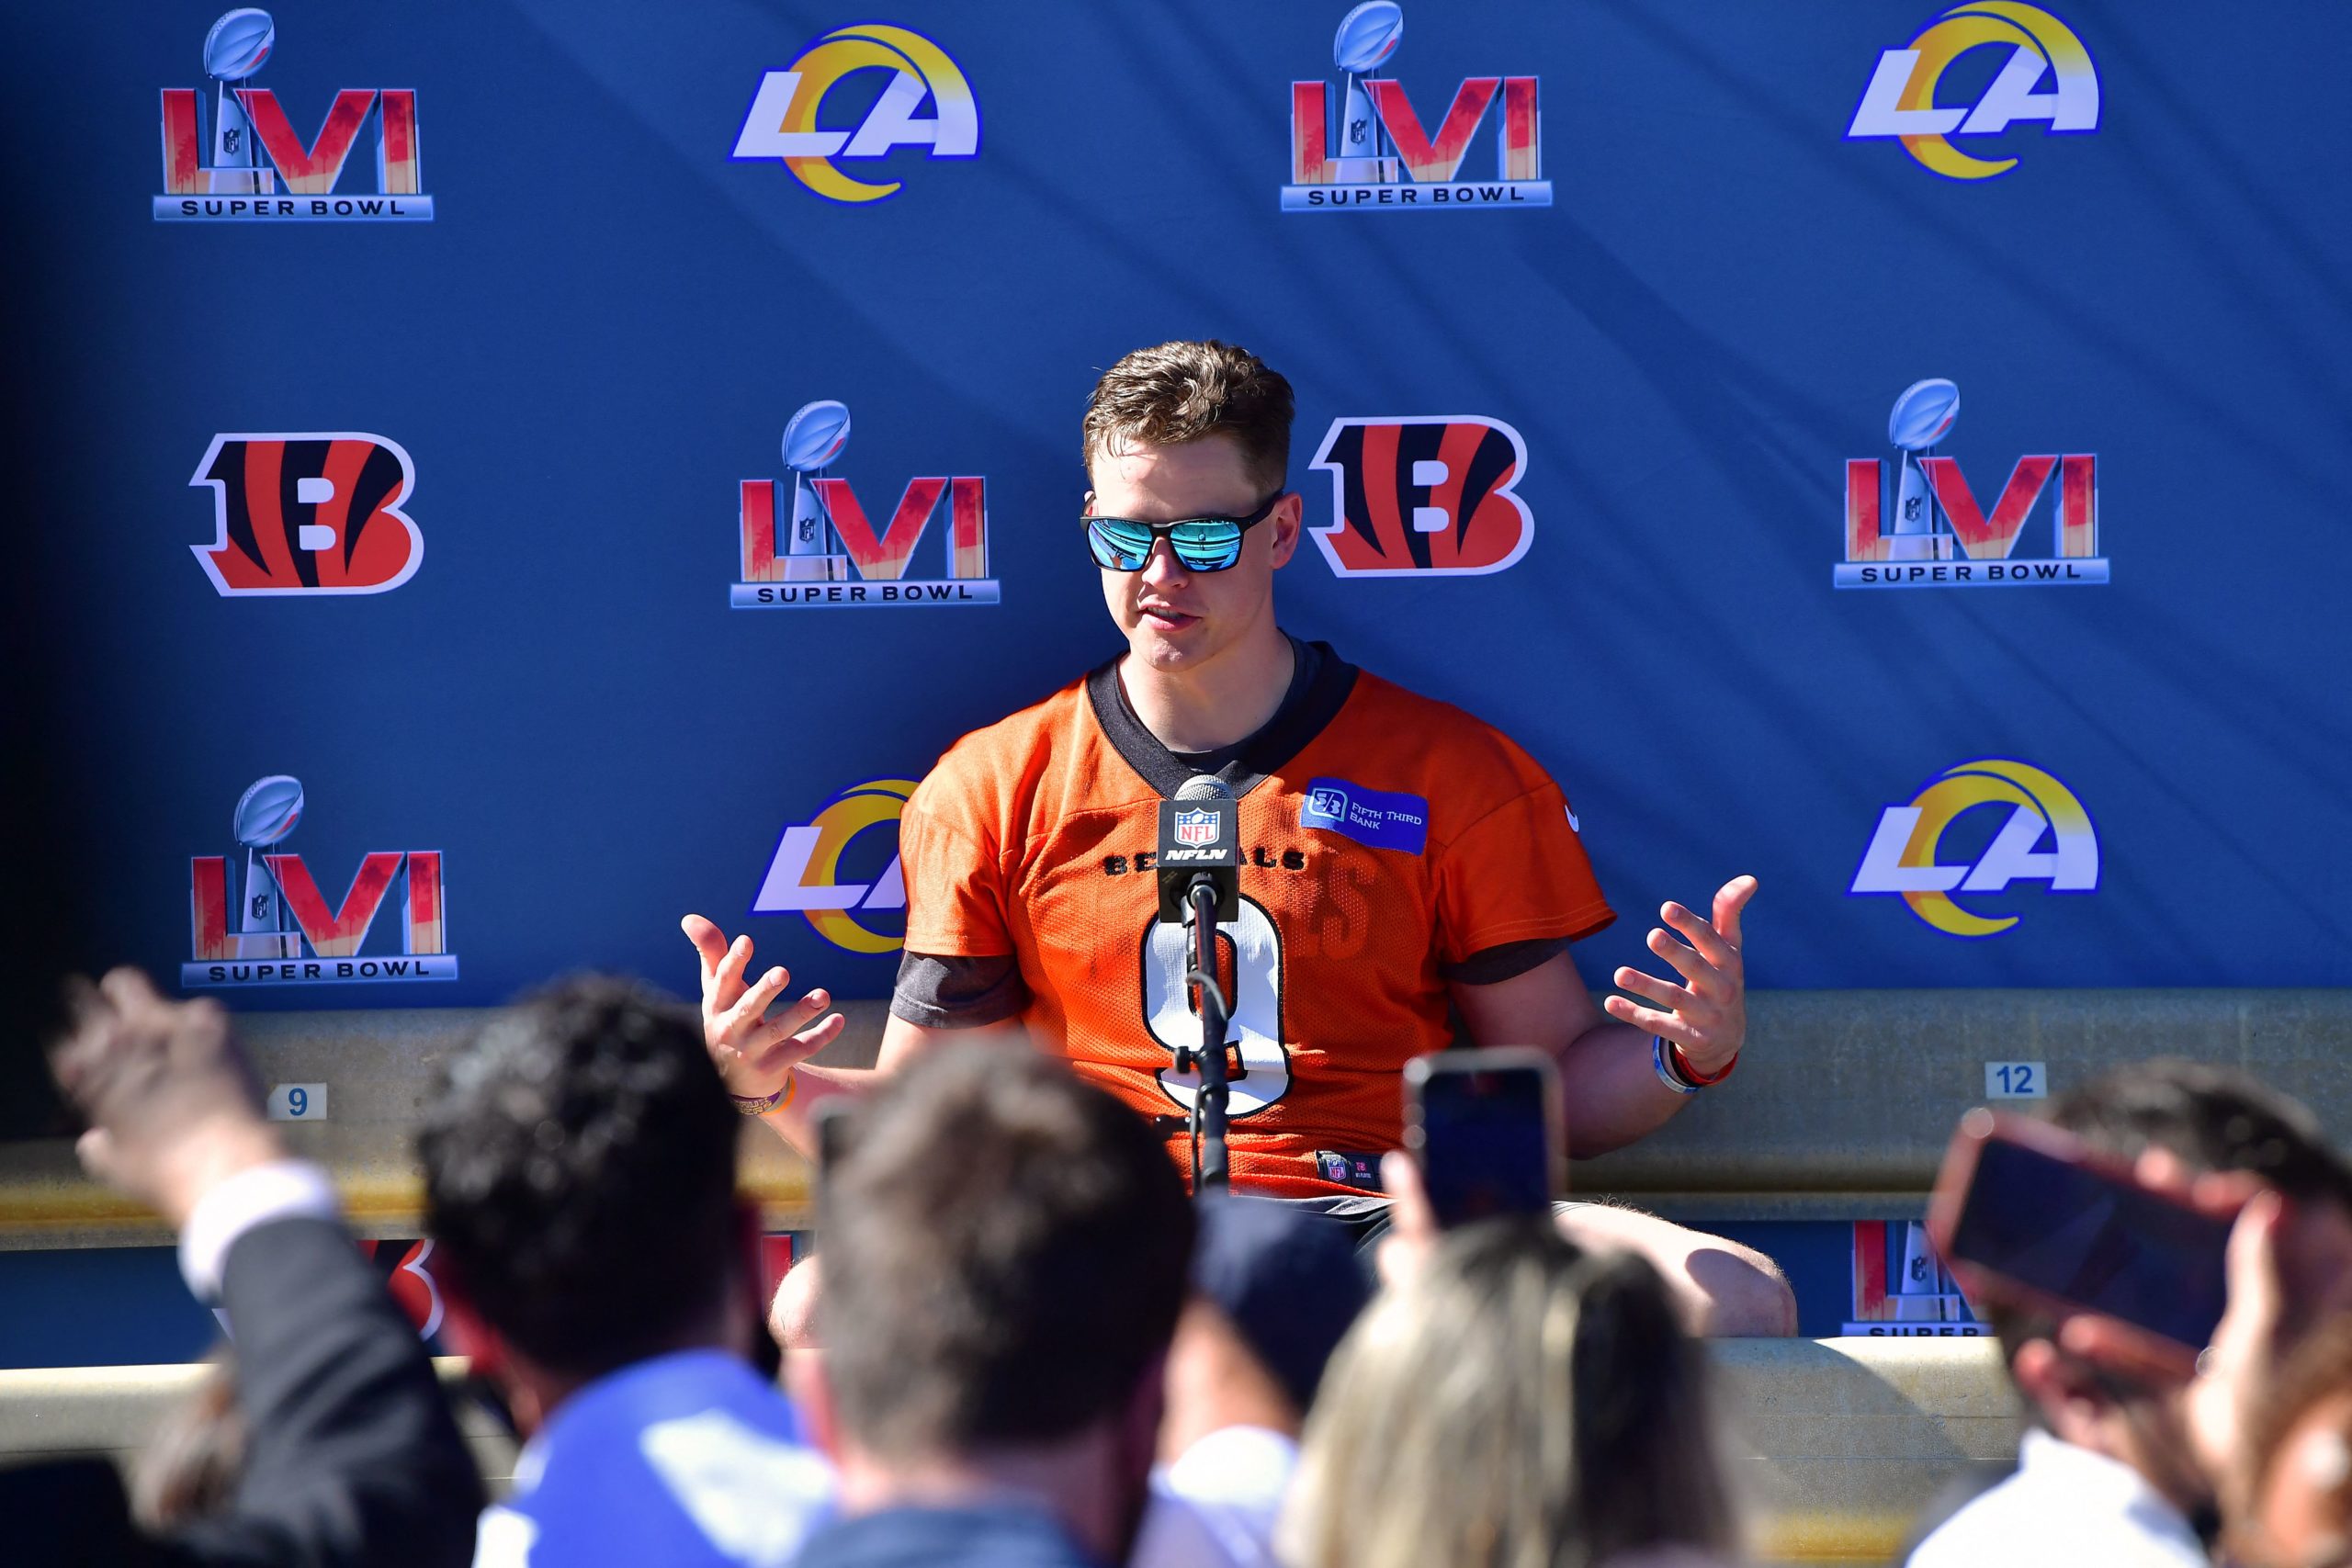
point(1005, 1251)
point(1185, 392)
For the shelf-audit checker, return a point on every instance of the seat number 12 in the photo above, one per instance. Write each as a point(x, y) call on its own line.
point(2015, 1080)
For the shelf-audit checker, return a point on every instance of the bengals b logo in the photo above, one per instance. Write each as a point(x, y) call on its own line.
point(309, 515)
point(1424, 497)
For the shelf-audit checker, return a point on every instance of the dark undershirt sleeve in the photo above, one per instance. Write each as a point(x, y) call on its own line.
point(1506, 961)
point(958, 993)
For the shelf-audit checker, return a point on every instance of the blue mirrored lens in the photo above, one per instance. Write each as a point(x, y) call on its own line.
point(1207, 546)
point(1118, 546)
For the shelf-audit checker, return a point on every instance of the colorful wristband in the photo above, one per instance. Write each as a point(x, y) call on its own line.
point(1692, 1075)
point(760, 1105)
point(1664, 1066)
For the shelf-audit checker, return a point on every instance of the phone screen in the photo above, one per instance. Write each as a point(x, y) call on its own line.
point(2094, 1240)
point(1486, 1145)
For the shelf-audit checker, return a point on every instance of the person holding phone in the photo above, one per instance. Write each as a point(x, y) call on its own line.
point(1403, 861)
point(2110, 1469)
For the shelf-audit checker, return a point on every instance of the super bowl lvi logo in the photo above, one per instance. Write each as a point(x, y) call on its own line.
point(232, 153)
point(266, 923)
point(823, 549)
point(1378, 153)
point(1922, 524)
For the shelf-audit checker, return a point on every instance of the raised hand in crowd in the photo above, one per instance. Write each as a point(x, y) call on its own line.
point(754, 1053)
point(174, 1110)
point(2281, 1349)
point(348, 1454)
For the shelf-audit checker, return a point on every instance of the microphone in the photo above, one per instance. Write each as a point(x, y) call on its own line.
point(1200, 844)
point(1200, 884)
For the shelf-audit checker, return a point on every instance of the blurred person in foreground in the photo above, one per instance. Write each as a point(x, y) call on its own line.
point(1275, 1290)
point(2269, 1412)
point(1005, 1251)
point(2110, 1469)
point(1512, 1399)
point(195, 1455)
point(601, 1271)
point(346, 1453)
point(2277, 1433)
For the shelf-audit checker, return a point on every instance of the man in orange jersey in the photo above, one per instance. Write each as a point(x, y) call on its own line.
point(1401, 857)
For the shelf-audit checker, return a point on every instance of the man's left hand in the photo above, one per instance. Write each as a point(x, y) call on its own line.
point(1707, 1014)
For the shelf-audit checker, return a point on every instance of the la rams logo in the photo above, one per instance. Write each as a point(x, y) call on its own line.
point(1900, 102)
point(1902, 857)
point(781, 121)
point(1429, 496)
point(314, 513)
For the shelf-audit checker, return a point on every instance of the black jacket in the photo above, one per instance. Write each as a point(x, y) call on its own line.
point(352, 1457)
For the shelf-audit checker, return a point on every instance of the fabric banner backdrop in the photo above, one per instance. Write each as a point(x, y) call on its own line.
point(1898, 449)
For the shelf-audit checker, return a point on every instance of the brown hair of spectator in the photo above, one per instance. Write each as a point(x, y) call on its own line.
point(1005, 1251)
point(1184, 391)
point(2212, 1119)
point(1519, 1404)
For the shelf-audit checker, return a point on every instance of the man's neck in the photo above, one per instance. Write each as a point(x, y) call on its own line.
point(535, 1393)
point(1216, 1381)
point(1227, 700)
point(1073, 1482)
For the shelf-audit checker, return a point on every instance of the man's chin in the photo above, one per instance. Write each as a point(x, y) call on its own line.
point(1164, 649)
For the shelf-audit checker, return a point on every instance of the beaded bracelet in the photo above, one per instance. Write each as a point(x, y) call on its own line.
point(760, 1105)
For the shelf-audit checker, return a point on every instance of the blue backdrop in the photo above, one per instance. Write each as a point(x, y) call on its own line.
point(604, 326)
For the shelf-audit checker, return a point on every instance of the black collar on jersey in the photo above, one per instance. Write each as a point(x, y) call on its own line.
point(1307, 710)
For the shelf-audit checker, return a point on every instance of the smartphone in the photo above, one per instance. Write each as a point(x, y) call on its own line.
point(1486, 1127)
point(2025, 1213)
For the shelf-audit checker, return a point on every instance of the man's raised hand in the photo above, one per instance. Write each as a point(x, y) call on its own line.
point(755, 1054)
point(173, 1107)
point(1707, 1014)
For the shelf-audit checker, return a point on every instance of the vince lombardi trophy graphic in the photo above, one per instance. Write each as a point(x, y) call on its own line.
point(811, 442)
point(234, 52)
point(1922, 416)
point(266, 814)
point(1367, 37)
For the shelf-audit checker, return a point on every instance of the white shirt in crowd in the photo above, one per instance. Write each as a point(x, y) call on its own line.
point(2065, 1507)
point(1217, 1504)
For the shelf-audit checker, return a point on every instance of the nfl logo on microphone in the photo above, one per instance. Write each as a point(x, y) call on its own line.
point(1196, 829)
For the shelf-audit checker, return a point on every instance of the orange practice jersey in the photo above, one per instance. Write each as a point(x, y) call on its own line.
point(1036, 837)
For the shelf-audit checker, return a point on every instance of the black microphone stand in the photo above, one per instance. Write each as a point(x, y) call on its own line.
point(1209, 1171)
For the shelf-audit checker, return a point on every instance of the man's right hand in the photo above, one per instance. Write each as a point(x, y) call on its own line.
point(755, 1054)
point(173, 1107)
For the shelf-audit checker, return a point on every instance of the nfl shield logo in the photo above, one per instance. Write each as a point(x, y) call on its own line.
point(1195, 829)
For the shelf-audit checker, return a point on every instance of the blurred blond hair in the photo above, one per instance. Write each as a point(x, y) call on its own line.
point(1520, 1404)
